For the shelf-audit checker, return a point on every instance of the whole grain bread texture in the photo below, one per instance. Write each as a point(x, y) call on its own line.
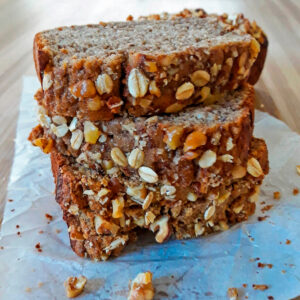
point(103, 213)
point(197, 146)
point(142, 68)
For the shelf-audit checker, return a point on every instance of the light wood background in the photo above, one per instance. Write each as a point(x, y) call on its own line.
point(278, 89)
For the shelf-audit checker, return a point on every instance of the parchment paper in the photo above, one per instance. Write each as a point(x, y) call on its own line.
point(192, 269)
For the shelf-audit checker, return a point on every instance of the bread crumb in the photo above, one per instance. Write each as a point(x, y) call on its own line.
point(28, 290)
point(49, 217)
point(260, 287)
point(288, 242)
point(262, 265)
point(232, 293)
point(74, 286)
point(276, 195)
point(40, 284)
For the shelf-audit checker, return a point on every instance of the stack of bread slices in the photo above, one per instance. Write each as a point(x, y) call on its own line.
point(149, 124)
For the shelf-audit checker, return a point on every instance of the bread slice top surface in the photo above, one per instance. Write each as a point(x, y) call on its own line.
point(148, 37)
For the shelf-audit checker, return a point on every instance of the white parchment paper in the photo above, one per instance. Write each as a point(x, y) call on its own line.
point(192, 269)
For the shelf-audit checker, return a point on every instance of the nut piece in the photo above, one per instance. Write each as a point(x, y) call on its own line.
point(118, 205)
point(141, 287)
point(162, 225)
point(238, 172)
point(47, 81)
point(74, 286)
point(83, 89)
point(137, 192)
point(104, 84)
point(148, 200)
point(192, 197)
point(76, 139)
point(91, 132)
point(254, 168)
point(185, 91)
point(232, 293)
point(194, 140)
point(45, 144)
point(173, 137)
point(207, 159)
point(149, 217)
point(104, 227)
point(148, 175)
point(210, 211)
point(137, 83)
point(199, 229)
point(200, 78)
point(118, 157)
point(153, 89)
point(229, 144)
point(136, 158)
point(60, 130)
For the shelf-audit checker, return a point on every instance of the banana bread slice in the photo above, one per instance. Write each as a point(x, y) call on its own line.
point(237, 22)
point(196, 146)
point(147, 67)
point(104, 212)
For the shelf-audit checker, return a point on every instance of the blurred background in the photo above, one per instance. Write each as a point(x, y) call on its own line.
point(277, 91)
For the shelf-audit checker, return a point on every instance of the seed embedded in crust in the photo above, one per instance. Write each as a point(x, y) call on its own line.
point(207, 159)
point(185, 91)
point(137, 83)
point(210, 211)
point(136, 158)
point(200, 78)
point(118, 157)
point(254, 168)
point(76, 139)
point(148, 175)
point(104, 84)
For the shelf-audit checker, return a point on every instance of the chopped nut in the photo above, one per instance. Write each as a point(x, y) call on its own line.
point(73, 209)
point(138, 192)
point(223, 197)
point(205, 92)
point(60, 130)
point(194, 140)
point(136, 158)
point(226, 158)
point(153, 89)
point(59, 120)
point(150, 66)
point(104, 84)
point(116, 243)
point(148, 200)
point(232, 293)
point(174, 108)
point(254, 197)
point(162, 225)
point(107, 164)
point(207, 159)
point(237, 209)
point(74, 286)
point(192, 196)
point(173, 137)
point(141, 287)
point(94, 103)
point(137, 83)
point(298, 169)
point(224, 226)
point(238, 172)
point(255, 47)
point(243, 59)
point(185, 91)
point(215, 140)
point(73, 124)
point(45, 144)
point(229, 144)
point(102, 193)
point(140, 221)
point(210, 211)
point(149, 217)
point(199, 229)
point(47, 81)
point(91, 132)
point(276, 195)
point(118, 205)
point(148, 175)
point(76, 139)
point(254, 168)
point(104, 227)
point(167, 190)
point(118, 157)
point(84, 88)
point(200, 78)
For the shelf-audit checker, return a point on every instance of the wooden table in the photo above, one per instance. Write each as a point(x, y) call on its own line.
point(278, 89)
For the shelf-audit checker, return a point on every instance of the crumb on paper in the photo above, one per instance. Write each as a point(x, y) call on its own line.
point(40, 284)
point(232, 293)
point(28, 290)
point(1, 247)
point(49, 217)
point(288, 242)
point(298, 169)
point(41, 231)
point(19, 233)
point(260, 287)
point(266, 208)
point(276, 195)
point(141, 287)
point(270, 298)
point(295, 192)
point(245, 285)
point(254, 259)
point(283, 271)
point(74, 286)
point(263, 265)
point(12, 210)
point(17, 226)
point(38, 247)
point(10, 200)
point(262, 218)
point(57, 231)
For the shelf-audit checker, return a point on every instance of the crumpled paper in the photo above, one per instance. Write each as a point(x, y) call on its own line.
point(201, 268)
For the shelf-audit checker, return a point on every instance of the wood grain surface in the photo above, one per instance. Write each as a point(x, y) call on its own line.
point(277, 91)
